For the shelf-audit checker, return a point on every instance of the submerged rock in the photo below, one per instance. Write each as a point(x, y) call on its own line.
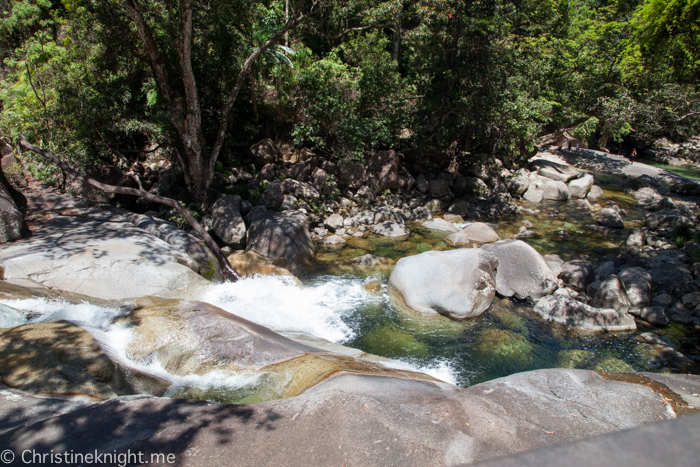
point(372, 261)
point(522, 272)
point(440, 224)
point(458, 284)
point(570, 312)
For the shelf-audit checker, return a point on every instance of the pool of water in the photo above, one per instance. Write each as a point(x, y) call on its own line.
point(687, 171)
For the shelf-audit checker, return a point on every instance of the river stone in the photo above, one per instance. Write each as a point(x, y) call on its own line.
point(371, 261)
point(60, 358)
point(663, 219)
point(579, 187)
point(555, 263)
point(362, 217)
point(578, 274)
point(604, 269)
point(609, 217)
point(249, 263)
point(458, 283)
point(558, 172)
point(571, 312)
point(637, 283)
point(611, 294)
point(228, 222)
point(386, 214)
point(686, 187)
point(518, 184)
point(11, 220)
point(301, 190)
point(477, 232)
point(195, 337)
point(595, 192)
point(440, 224)
point(334, 221)
point(102, 255)
point(555, 191)
point(522, 272)
point(422, 184)
point(655, 315)
point(390, 229)
point(669, 276)
point(281, 235)
point(335, 241)
point(635, 239)
point(439, 188)
point(454, 218)
point(533, 194)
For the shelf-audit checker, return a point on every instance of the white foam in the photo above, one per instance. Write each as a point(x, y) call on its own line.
point(440, 369)
point(316, 309)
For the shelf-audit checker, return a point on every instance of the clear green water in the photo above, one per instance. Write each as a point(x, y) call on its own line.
point(509, 337)
point(687, 171)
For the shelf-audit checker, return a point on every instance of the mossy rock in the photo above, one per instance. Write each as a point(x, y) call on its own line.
point(351, 253)
point(362, 244)
point(501, 343)
point(614, 365)
point(327, 257)
point(508, 317)
point(576, 358)
point(423, 247)
point(391, 342)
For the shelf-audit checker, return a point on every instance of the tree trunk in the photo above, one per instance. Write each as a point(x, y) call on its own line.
point(229, 273)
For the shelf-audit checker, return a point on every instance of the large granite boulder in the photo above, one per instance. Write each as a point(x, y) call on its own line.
point(518, 183)
point(637, 283)
point(264, 152)
point(577, 274)
point(478, 232)
point(668, 277)
point(555, 191)
point(103, 255)
point(11, 219)
point(559, 172)
point(609, 217)
point(383, 171)
point(301, 190)
point(281, 235)
point(227, 221)
point(428, 423)
point(273, 196)
point(565, 310)
point(611, 294)
point(522, 272)
point(391, 229)
point(664, 219)
point(351, 174)
point(458, 284)
point(580, 187)
point(249, 263)
point(440, 224)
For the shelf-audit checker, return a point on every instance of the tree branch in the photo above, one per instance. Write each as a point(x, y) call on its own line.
point(228, 271)
point(245, 69)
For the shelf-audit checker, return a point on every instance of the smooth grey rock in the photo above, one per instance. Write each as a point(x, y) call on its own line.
point(663, 219)
point(578, 274)
point(429, 423)
point(663, 300)
point(522, 272)
point(333, 222)
point(571, 312)
point(386, 214)
point(100, 255)
point(611, 294)
point(365, 193)
point(655, 315)
point(477, 232)
point(637, 284)
point(555, 191)
point(281, 235)
point(609, 217)
point(686, 187)
point(518, 184)
point(533, 194)
point(301, 190)
point(595, 192)
point(458, 284)
point(558, 172)
point(228, 222)
point(390, 229)
point(593, 287)
point(441, 225)
point(359, 218)
point(580, 187)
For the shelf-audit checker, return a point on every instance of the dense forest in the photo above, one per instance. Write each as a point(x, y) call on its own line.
point(439, 81)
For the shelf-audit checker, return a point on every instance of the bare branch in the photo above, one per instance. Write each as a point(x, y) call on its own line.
point(229, 273)
point(245, 69)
